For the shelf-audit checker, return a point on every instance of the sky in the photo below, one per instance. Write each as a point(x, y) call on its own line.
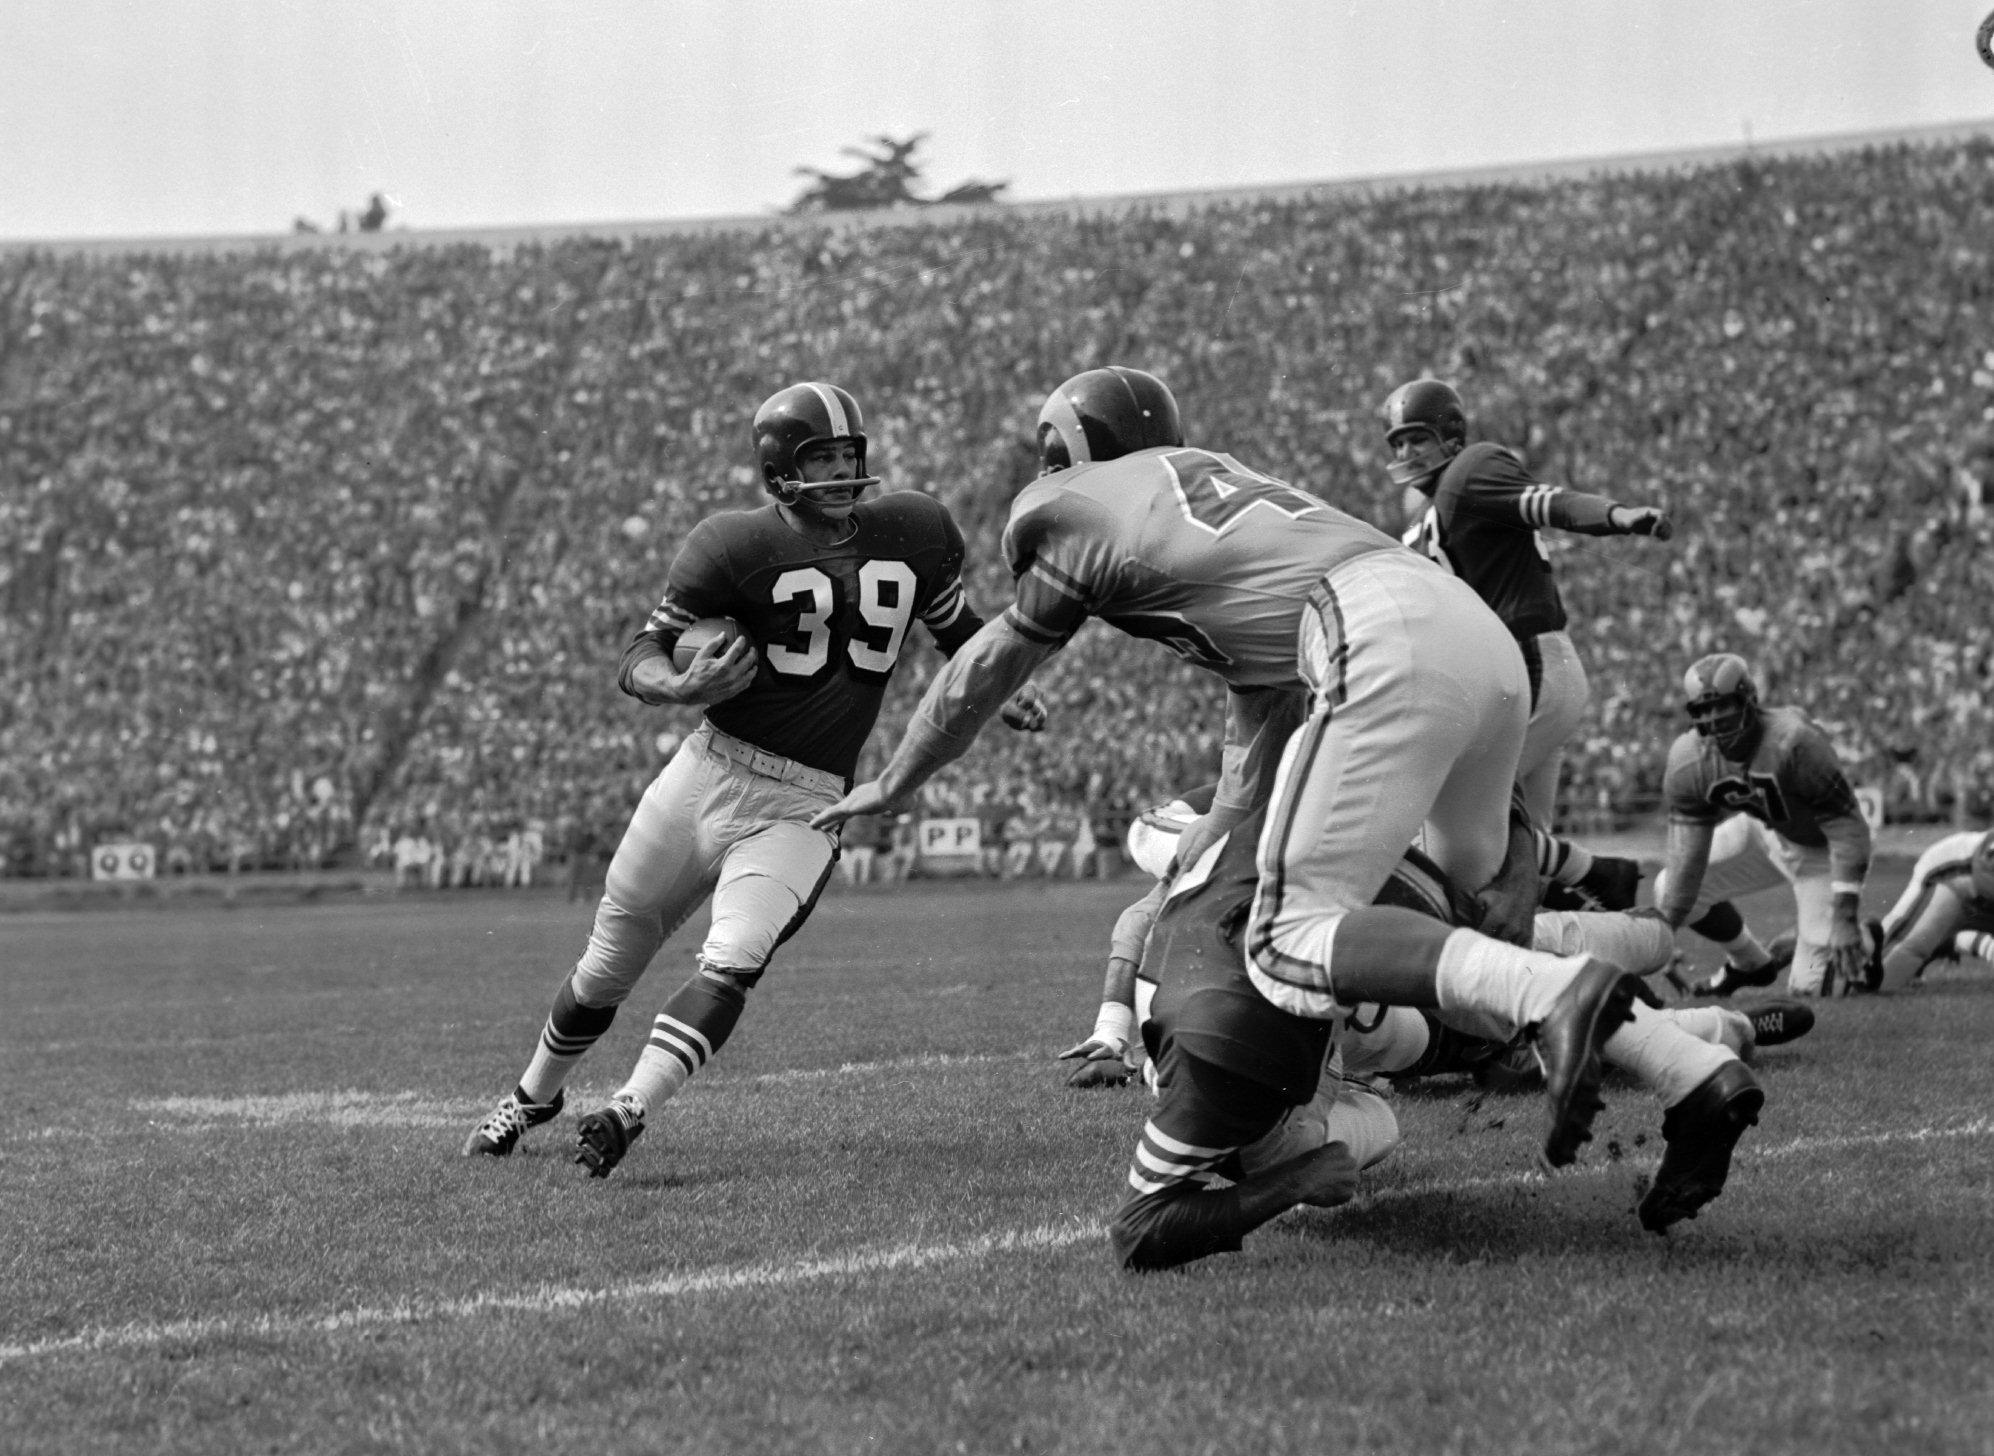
point(200, 118)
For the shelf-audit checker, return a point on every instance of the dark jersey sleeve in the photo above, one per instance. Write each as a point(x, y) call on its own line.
point(697, 585)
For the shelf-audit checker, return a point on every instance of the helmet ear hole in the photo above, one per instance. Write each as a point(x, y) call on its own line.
point(1053, 453)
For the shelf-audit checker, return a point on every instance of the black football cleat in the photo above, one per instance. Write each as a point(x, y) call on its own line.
point(499, 1133)
point(605, 1135)
point(1775, 1023)
point(1701, 1131)
point(1598, 1001)
point(1731, 977)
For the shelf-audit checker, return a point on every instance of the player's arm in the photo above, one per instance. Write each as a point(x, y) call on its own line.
point(699, 583)
point(1104, 1052)
point(980, 677)
point(951, 621)
point(1595, 515)
point(1848, 868)
point(1500, 490)
point(1687, 858)
point(1258, 724)
point(713, 676)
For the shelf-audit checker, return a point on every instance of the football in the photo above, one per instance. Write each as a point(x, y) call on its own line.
point(705, 630)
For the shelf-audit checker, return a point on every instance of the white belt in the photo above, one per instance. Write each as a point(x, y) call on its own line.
point(773, 765)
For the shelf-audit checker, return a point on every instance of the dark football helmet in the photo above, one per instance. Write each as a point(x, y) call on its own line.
point(1723, 703)
point(1431, 406)
point(789, 422)
point(1104, 414)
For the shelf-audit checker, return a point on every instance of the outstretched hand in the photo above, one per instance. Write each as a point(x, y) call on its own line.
point(1024, 711)
point(1646, 521)
point(865, 798)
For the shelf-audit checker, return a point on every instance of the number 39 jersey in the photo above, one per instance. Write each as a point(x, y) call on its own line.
point(1184, 547)
point(1793, 782)
point(829, 622)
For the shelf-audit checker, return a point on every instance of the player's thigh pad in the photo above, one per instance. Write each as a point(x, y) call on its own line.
point(771, 872)
point(665, 865)
point(1420, 704)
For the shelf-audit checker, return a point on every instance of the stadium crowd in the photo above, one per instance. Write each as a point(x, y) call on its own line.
point(307, 551)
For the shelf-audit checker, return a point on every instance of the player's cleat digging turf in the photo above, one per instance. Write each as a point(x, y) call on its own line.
point(1598, 1001)
point(606, 1135)
point(1730, 977)
point(1701, 1131)
point(499, 1133)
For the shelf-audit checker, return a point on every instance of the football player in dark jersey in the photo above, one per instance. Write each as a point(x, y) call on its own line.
point(1947, 911)
point(826, 585)
point(1757, 799)
point(1415, 702)
point(1482, 523)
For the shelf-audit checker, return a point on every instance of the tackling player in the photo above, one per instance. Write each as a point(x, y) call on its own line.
point(1757, 799)
point(1417, 700)
point(1482, 523)
point(1945, 912)
point(827, 586)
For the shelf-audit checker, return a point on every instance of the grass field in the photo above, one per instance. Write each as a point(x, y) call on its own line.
point(235, 1217)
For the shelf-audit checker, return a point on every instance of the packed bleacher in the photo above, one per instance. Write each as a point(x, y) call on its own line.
point(305, 552)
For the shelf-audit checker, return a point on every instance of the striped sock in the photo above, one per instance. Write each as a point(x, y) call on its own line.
point(571, 1030)
point(1975, 943)
point(694, 1025)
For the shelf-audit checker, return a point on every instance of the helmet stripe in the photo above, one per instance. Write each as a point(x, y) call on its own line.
point(1061, 415)
point(834, 410)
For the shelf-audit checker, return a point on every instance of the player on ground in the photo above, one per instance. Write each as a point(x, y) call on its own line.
point(1243, 1091)
point(1757, 799)
point(1417, 702)
point(1947, 911)
point(826, 585)
point(1105, 1053)
point(1482, 524)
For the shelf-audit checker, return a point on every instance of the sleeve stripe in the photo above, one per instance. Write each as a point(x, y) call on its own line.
point(1535, 506)
point(668, 616)
point(1067, 586)
point(1033, 631)
point(1162, 1140)
point(946, 607)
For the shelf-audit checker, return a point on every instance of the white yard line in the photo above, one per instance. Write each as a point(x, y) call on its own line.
point(550, 1298)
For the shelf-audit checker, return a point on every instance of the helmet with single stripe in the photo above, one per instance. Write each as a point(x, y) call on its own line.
point(1723, 703)
point(1104, 414)
point(790, 423)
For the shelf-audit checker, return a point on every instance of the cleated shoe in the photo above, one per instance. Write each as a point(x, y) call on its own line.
point(1731, 976)
point(1778, 1022)
point(1611, 884)
point(1599, 999)
point(1701, 1131)
point(499, 1133)
point(606, 1135)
